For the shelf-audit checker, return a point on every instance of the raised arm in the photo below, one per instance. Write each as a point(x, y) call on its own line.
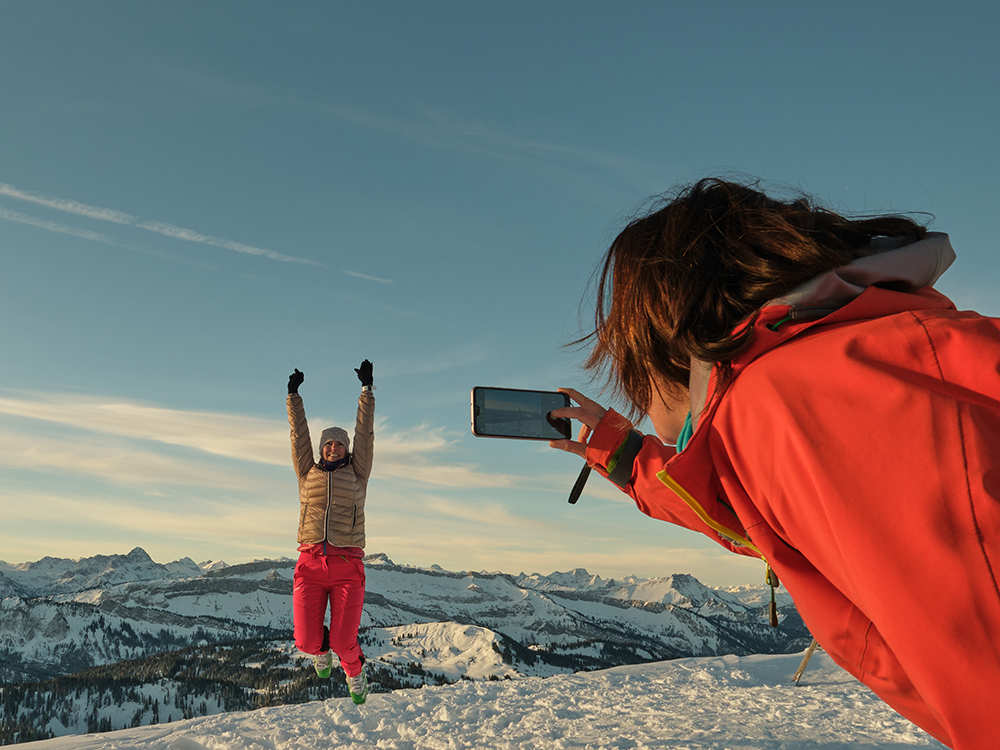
point(364, 429)
point(302, 452)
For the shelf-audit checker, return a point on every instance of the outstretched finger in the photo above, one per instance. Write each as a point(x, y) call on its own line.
point(570, 446)
point(580, 398)
point(579, 413)
point(588, 415)
point(583, 401)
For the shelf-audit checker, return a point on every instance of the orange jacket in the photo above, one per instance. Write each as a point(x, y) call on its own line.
point(859, 455)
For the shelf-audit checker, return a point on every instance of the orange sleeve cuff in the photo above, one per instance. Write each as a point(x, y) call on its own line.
point(610, 433)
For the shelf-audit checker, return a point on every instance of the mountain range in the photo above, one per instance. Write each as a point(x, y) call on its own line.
point(58, 616)
point(188, 638)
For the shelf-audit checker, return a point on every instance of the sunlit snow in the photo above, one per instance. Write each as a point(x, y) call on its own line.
point(709, 703)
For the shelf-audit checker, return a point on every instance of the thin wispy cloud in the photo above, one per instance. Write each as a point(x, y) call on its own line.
point(98, 213)
point(53, 226)
point(366, 277)
point(417, 440)
point(413, 456)
point(432, 127)
point(438, 129)
point(499, 515)
point(194, 518)
point(67, 206)
point(189, 235)
point(470, 354)
point(203, 519)
point(364, 300)
point(488, 536)
point(227, 435)
point(451, 476)
point(500, 141)
point(120, 463)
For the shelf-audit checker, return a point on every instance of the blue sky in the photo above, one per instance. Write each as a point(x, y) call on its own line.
point(196, 198)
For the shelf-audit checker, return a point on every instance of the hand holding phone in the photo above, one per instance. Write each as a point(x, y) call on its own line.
point(518, 414)
point(525, 415)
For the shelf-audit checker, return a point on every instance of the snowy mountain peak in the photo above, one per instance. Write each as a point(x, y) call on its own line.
point(577, 579)
point(139, 555)
point(212, 565)
point(52, 575)
point(689, 586)
point(580, 577)
point(683, 590)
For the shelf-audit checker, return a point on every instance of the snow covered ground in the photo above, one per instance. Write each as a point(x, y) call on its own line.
point(710, 703)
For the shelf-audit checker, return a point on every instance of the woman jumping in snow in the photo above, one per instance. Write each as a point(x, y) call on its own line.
point(331, 535)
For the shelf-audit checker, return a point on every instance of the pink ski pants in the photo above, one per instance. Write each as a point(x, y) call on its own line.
point(337, 580)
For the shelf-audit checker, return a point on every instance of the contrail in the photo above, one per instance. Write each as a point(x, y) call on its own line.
point(119, 217)
point(70, 207)
point(189, 235)
point(368, 278)
point(53, 226)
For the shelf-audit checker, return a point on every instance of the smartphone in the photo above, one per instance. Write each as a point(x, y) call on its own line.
point(518, 414)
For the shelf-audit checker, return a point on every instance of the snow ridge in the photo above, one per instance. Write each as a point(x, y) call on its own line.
point(689, 704)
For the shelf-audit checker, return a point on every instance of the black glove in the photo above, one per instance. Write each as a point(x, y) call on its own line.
point(364, 372)
point(295, 380)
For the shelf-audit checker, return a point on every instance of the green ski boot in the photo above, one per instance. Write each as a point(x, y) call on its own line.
point(358, 685)
point(323, 664)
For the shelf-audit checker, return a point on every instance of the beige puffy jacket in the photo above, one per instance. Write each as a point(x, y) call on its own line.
point(332, 503)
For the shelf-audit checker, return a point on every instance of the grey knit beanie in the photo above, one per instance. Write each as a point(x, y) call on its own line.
point(334, 435)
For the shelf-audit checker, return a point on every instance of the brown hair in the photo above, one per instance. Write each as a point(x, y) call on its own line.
point(678, 281)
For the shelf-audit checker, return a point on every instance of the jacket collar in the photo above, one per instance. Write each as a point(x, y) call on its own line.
point(333, 465)
point(899, 267)
point(903, 268)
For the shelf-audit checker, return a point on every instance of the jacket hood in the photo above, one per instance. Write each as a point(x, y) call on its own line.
point(891, 264)
point(902, 267)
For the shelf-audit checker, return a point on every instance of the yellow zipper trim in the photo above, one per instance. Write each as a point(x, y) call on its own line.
point(694, 505)
point(770, 577)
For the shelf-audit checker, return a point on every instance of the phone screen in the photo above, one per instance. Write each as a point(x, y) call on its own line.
point(515, 413)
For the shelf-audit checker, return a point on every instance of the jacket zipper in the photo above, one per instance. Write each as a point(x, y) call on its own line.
point(717, 527)
point(329, 503)
point(770, 577)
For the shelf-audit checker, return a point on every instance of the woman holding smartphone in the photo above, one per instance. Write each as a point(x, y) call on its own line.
point(820, 406)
